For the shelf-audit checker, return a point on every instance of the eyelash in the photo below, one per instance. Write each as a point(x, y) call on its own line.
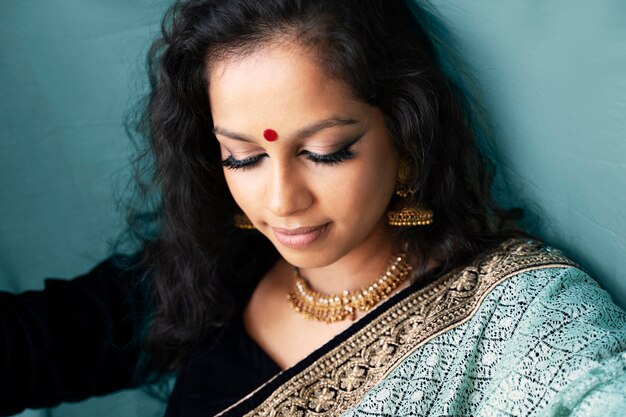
point(334, 158)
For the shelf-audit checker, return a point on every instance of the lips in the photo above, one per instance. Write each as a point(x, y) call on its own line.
point(299, 237)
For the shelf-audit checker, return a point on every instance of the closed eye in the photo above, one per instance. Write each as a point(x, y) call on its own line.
point(343, 154)
point(335, 158)
point(329, 159)
point(250, 162)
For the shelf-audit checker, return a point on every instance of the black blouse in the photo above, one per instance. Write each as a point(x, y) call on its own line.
point(75, 339)
point(219, 373)
point(68, 342)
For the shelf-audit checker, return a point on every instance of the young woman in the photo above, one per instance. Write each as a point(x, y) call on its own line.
point(326, 244)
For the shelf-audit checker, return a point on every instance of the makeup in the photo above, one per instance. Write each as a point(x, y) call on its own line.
point(300, 237)
point(270, 135)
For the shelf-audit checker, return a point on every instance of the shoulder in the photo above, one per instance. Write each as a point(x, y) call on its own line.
point(529, 269)
point(510, 330)
point(509, 277)
point(550, 326)
point(516, 257)
point(529, 280)
point(516, 295)
point(536, 275)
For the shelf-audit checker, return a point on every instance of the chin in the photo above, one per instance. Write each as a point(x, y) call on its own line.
point(309, 258)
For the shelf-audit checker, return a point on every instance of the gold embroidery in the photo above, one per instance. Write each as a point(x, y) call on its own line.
point(339, 379)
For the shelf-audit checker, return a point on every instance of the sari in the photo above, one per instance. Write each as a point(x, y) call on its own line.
point(520, 331)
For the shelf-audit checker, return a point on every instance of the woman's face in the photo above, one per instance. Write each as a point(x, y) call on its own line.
point(320, 190)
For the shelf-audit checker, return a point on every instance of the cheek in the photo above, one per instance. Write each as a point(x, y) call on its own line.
point(375, 186)
point(363, 191)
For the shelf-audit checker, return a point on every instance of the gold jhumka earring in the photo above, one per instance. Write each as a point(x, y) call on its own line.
point(407, 216)
point(241, 221)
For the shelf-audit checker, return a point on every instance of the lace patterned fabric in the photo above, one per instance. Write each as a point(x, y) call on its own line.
point(546, 342)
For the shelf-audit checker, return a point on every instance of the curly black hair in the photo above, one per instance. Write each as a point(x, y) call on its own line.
point(196, 259)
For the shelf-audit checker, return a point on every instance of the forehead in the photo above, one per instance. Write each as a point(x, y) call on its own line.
point(279, 57)
point(280, 84)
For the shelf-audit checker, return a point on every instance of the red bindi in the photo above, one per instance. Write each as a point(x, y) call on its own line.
point(270, 135)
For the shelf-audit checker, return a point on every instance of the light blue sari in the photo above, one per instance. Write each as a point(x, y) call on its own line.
point(521, 331)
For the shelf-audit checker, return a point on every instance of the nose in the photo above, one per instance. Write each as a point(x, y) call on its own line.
point(287, 192)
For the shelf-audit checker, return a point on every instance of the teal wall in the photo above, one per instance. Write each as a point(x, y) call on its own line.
point(69, 70)
point(553, 78)
point(552, 74)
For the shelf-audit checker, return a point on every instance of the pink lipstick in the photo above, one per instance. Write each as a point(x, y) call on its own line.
point(299, 237)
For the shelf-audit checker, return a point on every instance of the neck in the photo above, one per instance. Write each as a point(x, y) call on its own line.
point(354, 270)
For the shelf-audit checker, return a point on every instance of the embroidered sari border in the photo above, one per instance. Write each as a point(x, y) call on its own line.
point(337, 380)
point(459, 323)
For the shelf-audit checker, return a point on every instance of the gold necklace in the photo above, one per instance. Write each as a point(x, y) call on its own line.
point(331, 308)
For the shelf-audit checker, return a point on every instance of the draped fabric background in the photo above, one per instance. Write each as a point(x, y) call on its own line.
point(69, 71)
point(552, 76)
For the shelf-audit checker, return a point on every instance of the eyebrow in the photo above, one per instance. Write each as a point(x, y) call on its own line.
point(302, 133)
